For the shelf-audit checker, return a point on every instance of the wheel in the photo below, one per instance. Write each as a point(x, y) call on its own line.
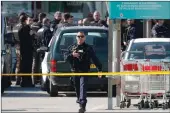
point(52, 90)
point(122, 105)
point(146, 104)
point(155, 104)
point(140, 106)
point(169, 104)
point(142, 103)
point(163, 106)
point(151, 105)
point(128, 103)
point(166, 105)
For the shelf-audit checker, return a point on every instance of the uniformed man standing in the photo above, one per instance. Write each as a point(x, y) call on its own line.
point(130, 32)
point(160, 30)
point(79, 57)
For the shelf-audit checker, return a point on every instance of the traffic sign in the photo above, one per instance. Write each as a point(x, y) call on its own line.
point(139, 10)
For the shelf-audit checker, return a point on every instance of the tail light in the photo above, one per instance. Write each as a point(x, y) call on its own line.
point(53, 67)
point(131, 67)
point(152, 68)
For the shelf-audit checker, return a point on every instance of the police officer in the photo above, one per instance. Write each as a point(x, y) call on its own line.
point(130, 32)
point(159, 29)
point(45, 33)
point(56, 21)
point(67, 21)
point(79, 57)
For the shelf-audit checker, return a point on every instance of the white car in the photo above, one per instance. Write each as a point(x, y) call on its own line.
point(148, 48)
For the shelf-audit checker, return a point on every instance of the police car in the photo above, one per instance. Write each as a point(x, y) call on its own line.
point(54, 60)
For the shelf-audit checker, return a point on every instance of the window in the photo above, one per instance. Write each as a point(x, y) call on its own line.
point(150, 50)
point(98, 40)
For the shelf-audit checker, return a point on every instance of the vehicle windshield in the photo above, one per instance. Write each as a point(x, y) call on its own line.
point(97, 39)
point(149, 50)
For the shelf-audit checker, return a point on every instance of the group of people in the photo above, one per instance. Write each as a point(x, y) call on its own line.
point(34, 33)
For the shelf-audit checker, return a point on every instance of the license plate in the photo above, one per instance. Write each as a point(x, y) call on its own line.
point(92, 66)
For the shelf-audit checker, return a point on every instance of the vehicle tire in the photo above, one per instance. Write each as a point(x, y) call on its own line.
point(122, 105)
point(128, 103)
point(140, 105)
point(169, 103)
point(52, 90)
point(163, 106)
point(156, 104)
point(166, 105)
point(151, 105)
point(146, 105)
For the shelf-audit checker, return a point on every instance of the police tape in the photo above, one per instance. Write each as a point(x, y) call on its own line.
point(132, 73)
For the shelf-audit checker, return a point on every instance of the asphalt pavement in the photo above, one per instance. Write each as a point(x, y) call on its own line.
point(17, 99)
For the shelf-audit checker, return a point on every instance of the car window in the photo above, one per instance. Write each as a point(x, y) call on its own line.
point(150, 50)
point(98, 40)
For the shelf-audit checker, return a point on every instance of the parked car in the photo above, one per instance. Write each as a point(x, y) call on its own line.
point(148, 48)
point(6, 56)
point(54, 60)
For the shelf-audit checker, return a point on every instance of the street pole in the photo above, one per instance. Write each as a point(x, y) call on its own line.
point(147, 28)
point(116, 56)
point(114, 51)
point(110, 60)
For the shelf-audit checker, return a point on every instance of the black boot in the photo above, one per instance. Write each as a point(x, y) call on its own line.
point(82, 108)
point(77, 101)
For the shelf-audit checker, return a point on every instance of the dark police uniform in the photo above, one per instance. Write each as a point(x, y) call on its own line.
point(130, 33)
point(160, 31)
point(82, 65)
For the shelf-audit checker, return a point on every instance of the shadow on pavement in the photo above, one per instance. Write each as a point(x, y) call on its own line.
point(17, 91)
point(10, 110)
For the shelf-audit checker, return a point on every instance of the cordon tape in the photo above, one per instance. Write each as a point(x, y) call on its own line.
point(132, 73)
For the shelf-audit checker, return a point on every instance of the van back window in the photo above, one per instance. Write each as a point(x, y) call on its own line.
point(98, 40)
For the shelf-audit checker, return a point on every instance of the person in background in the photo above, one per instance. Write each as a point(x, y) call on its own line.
point(56, 21)
point(160, 30)
point(130, 32)
point(38, 25)
point(96, 20)
point(66, 21)
point(26, 51)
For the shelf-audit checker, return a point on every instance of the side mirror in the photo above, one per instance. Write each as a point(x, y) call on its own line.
point(42, 49)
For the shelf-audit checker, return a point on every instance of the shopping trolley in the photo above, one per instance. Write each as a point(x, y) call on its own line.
point(148, 88)
point(155, 87)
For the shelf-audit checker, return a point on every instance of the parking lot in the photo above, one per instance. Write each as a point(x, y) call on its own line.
point(17, 99)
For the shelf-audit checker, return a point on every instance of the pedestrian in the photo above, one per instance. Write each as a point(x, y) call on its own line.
point(96, 20)
point(38, 25)
point(26, 51)
point(45, 33)
point(130, 32)
point(56, 21)
point(79, 56)
point(160, 30)
point(66, 21)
